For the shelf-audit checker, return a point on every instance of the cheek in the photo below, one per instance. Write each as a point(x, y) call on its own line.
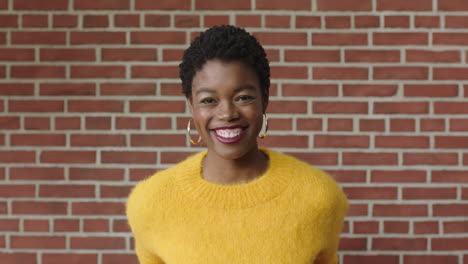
point(200, 118)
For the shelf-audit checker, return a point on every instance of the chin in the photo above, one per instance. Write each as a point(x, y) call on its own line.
point(232, 152)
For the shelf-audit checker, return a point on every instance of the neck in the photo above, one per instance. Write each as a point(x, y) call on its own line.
point(234, 171)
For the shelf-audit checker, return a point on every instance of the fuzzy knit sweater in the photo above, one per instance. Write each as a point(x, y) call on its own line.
point(292, 214)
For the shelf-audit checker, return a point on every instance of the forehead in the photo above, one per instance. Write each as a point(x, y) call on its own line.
point(221, 75)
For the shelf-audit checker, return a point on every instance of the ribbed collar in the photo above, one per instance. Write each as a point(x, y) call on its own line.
point(264, 188)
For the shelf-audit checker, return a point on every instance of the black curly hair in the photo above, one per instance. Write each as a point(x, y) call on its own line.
point(227, 43)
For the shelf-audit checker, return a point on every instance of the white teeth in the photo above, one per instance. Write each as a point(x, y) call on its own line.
point(229, 133)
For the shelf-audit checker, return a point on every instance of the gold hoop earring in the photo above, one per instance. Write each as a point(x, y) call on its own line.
point(262, 136)
point(188, 133)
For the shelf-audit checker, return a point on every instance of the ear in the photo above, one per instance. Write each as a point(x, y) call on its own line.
point(190, 103)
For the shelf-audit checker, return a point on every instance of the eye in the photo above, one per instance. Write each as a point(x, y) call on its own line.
point(207, 100)
point(245, 98)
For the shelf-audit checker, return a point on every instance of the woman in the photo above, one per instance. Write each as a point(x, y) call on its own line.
point(234, 203)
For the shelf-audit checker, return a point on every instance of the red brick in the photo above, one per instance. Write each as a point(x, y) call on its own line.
point(285, 142)
point(402, 5)
point(127, 20)
point(35, 21)
point(248, 20)
point(110, 191)
point(372, 125)
point(309, 124)
point(67, 89)
point(341, 141)
point(96, 174)
point(36, 173)
point(186, 21)
point(432, 124)
point(401, 142)
point(371, 193)
point(38, 5)
point(451, 142)
point(173, 54)
point(450, 176)
point(121, 226)
point(39, 208)
point(342, 176)
point(371, 259)
point(66, 225)
point(9, 225)
point(134, 157)
point(289, 72)
point(430, 158)
point(340, 73)
point(344, 5)
point(69, 258)
point(173, 157)
point(338, 22)
point(450, 107)
point(308, 22)
point(8, 21)
point(37, 72)
point(397, 22)
point(67, 55)
point(157, 20)
point(396, 227)
point(366, 21)
point(3, 41)
point(9, 54)
point(110, 106)
point(340, 124)
point(162, 5)
point(310, 90)
point(157, 106)
point(450, 73)
point(455, 227)
point(38, 242)
point(312, 55)
point(363, 158)
point(95, 21)
point(98, 140)
point(340, 108)
point(366, 227)
point(402, 125)
point(96, 225)
point(456, 22)
point(37, 38)
point(9, 122)
point(224, 5)
point(16, 190)
point(282, 5)
point(450, 209)
point(65, 21)
point(450, 39)
point(160, 140)
point(68, 157)
point(277, 21)
point(90, 242)
point(365, 90)
point(372, 56)
point(339, 39)
point(15, 89)
point(38, 139)
point(84, 38)
point(128, 89)
point(36, 225)
point(97, 122)
point(458, 124)
point(155, 71)
point(281, 38)
point(427, 21)
point(432, 259)
point(115, 258)
point(215, 20)
point(98, 208)
point(101, 4)
point(97, 71)
point(70, 190)
point(402, 244)
point(129, 54)
point(64, 123)
point(401, 73)
point(449, 243)
point(127, 123)
point(287, 107)
point(432, 56)
point(452, 5)
point(401, 107)
point(397, 38)
point(352, 244)
point(400, 210)
point(157, 37)
point(429, 193)
point(18, 257)
point(431, 90)
point(426, 227)
point(36, 106)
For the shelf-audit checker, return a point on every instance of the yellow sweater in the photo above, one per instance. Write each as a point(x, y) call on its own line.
point(292, 214)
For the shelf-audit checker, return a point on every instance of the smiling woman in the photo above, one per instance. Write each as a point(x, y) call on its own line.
point(234, 202)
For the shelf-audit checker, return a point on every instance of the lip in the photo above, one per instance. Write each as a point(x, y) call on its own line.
point(229, 140)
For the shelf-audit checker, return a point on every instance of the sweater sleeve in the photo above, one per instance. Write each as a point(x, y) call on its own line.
point(329, 254)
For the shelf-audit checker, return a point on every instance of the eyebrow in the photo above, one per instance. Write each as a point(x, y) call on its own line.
point(238, 89)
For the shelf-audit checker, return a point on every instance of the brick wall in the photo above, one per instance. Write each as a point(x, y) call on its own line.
point(373, 91)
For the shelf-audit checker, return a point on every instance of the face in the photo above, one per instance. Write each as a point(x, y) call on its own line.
point(227, 108)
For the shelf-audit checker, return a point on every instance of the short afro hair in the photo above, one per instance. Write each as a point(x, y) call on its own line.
point(226, 43)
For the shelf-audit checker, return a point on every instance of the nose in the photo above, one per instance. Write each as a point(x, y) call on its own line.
point(227, 111)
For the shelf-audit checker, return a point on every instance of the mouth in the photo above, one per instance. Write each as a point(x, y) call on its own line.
point(229, 135)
